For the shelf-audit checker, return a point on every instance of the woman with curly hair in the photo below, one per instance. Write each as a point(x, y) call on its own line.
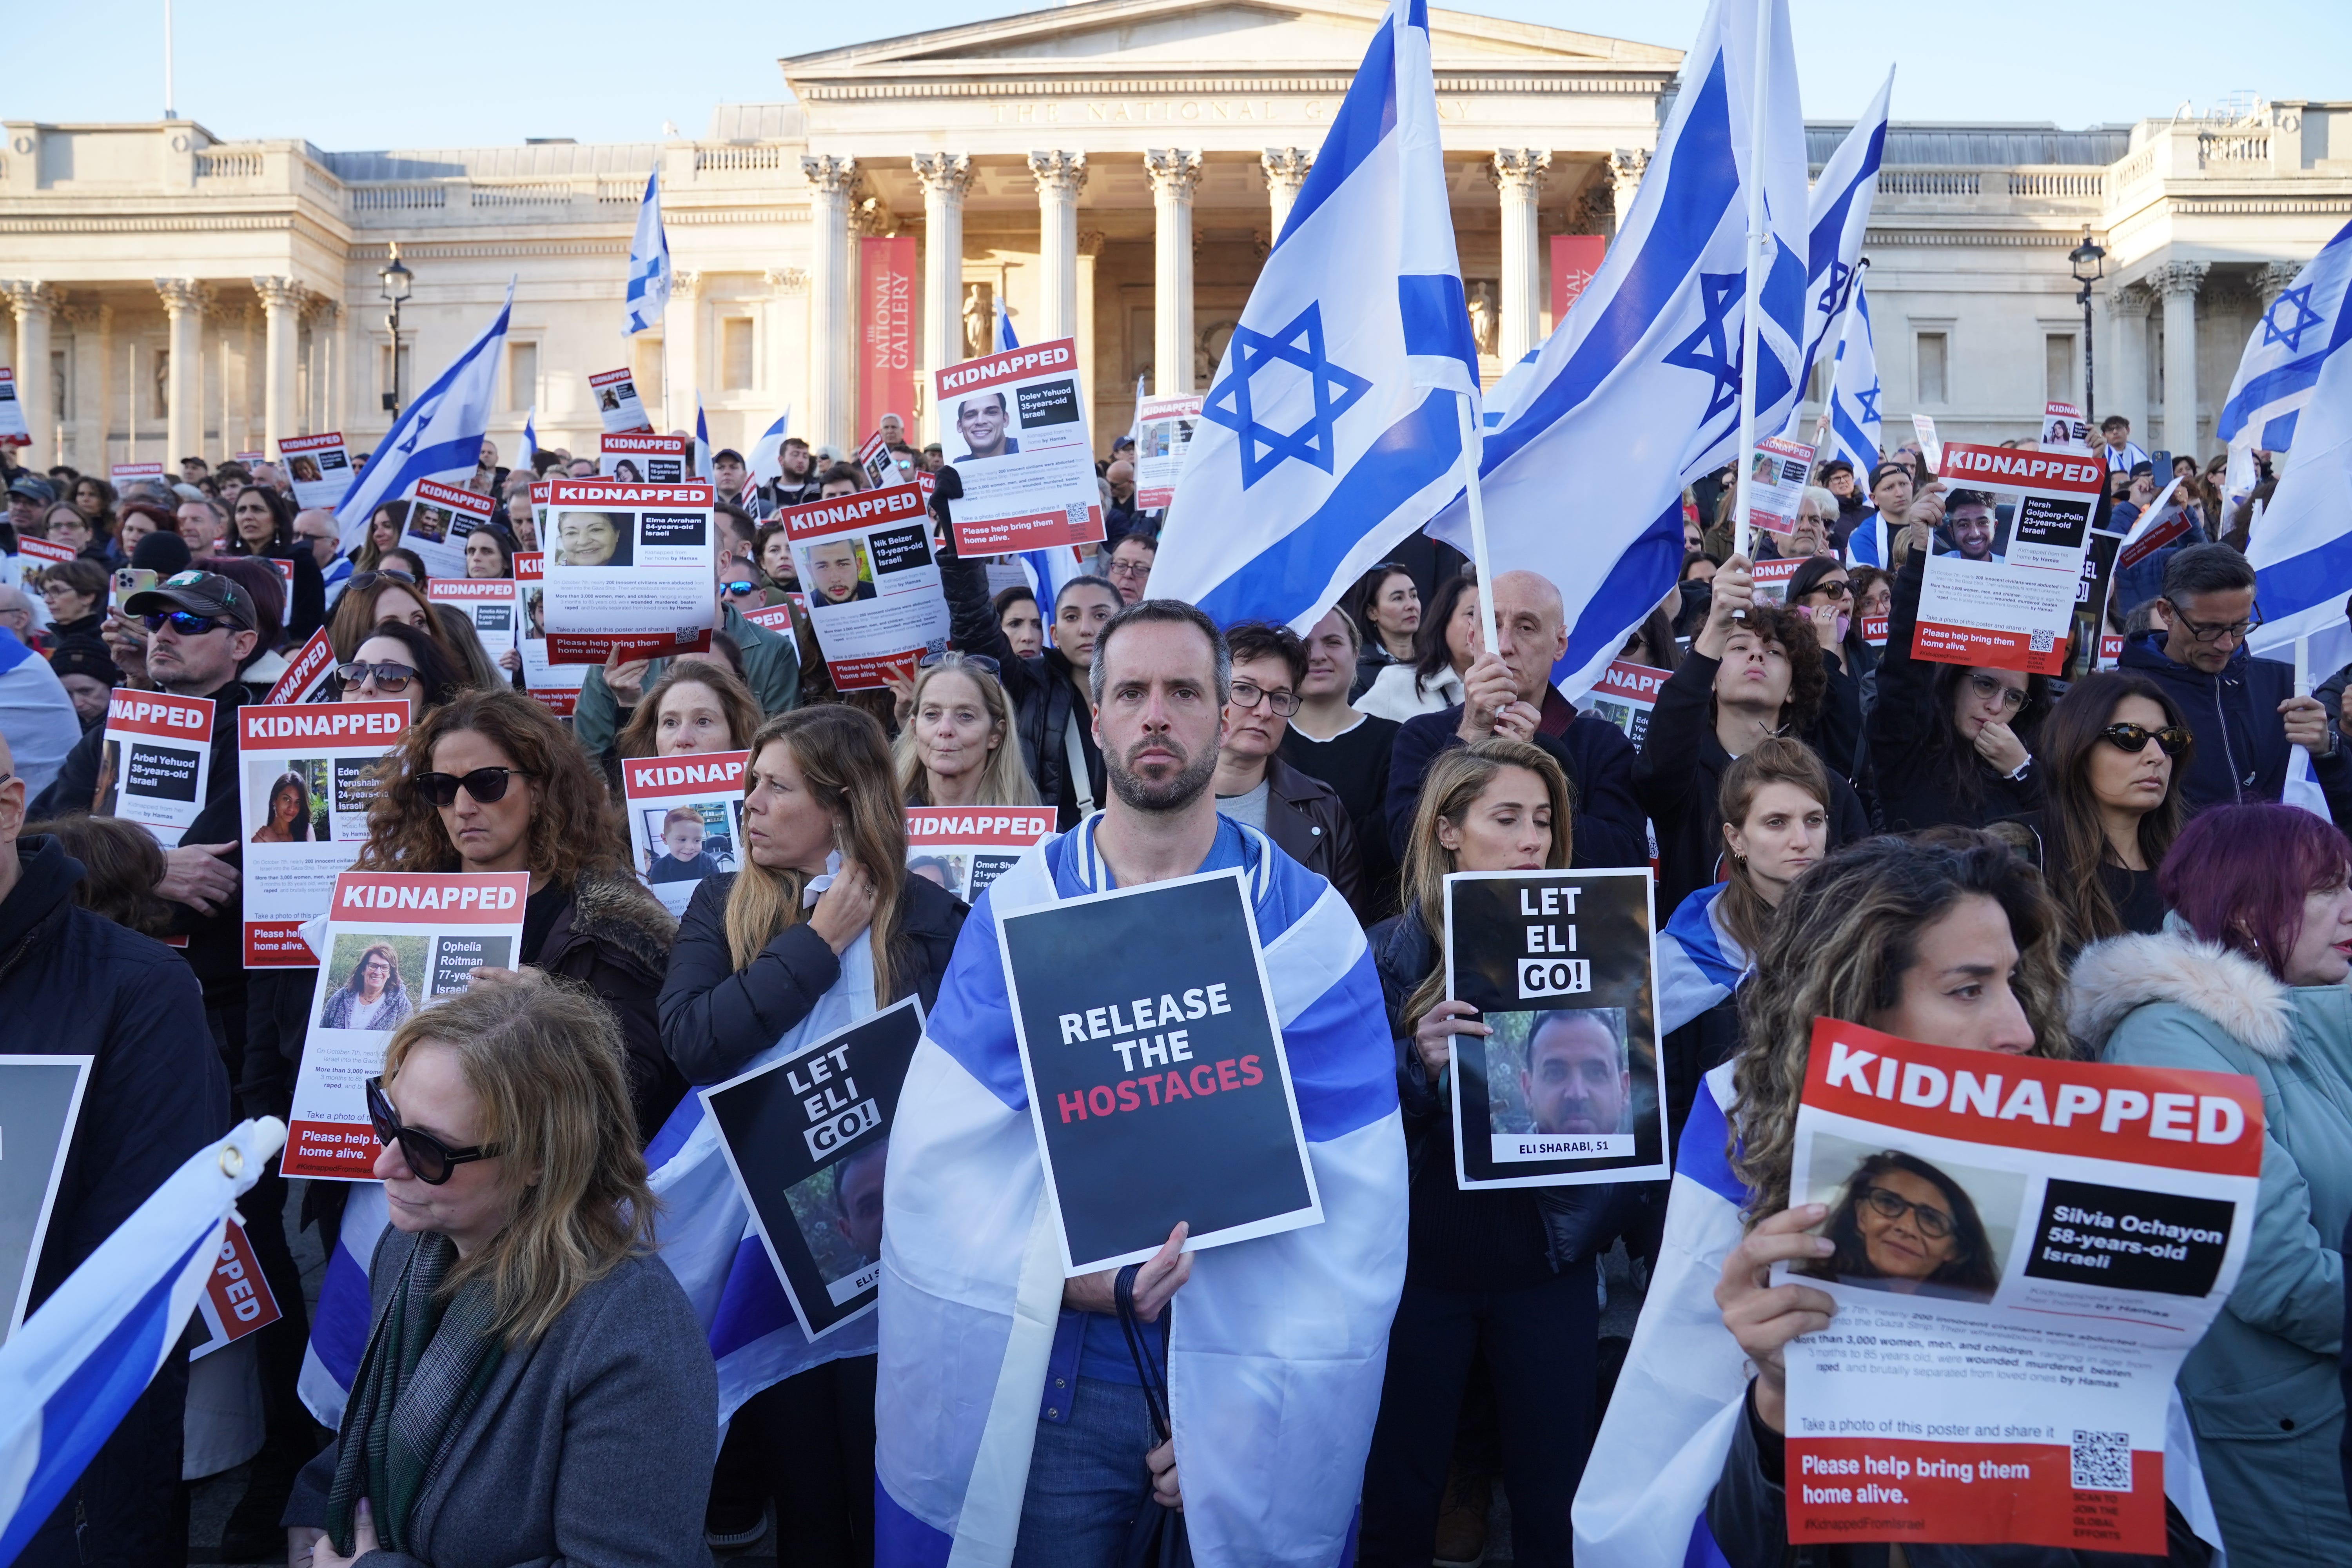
point(1948, 940)
point(490, 782)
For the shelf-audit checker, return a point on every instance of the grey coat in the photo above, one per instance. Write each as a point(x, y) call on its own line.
point(592, 1446)
point(2262, 1387)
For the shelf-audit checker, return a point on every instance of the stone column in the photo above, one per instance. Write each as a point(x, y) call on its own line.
point(281, 326)
point(1060, 177)
point(33, 303)
point(2177, 282)
point(2123, 365)
point(1626, 166)
point(832, 183)
point(2272, 278)
point(682, 328)
point(946, 178)
point(183, 423)
point(1175, 175)
point(1517, 173)
point(1089, 250)
point(1286, 170)
point(91, 385)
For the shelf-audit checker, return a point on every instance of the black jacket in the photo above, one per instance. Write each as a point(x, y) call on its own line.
point(1680, 773)
point(1042, 688)
point(715, 1017)
point(1597, 757)
point(2242, 745)
point(615, 938)
point(1305, 818)
point(1920, 784)
point(75, 983)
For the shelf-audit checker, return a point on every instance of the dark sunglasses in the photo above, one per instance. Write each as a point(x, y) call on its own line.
point(733, 586)
point(430, 1161)
point(2134, 738)
point(188, 624)
point(391, 678)
point(486, 785)
point(980, 660)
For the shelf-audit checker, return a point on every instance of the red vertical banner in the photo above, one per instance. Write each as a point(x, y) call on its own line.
point(1575, 258)
point(886, 369)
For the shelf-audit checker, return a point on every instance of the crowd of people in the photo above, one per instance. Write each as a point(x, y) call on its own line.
point(1968, 856)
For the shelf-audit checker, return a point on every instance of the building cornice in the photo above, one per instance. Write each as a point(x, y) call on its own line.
point(1576, 81)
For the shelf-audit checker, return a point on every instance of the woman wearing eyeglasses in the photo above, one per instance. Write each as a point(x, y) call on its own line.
point(1823, 592)
point(535, 1385)
point(2249, 977)
point(955, 744)
point(1949, 744)
point(490, 782)
point(374, 997)
point(2115, 750)
point(821, 928)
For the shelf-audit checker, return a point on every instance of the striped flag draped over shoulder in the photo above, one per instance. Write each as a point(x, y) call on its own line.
point(1700, 963)
point(1278, 1345)
point(438, 437)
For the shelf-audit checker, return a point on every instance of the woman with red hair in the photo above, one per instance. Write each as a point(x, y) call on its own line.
point(2248, 976)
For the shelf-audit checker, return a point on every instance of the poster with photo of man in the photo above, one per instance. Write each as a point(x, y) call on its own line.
point(808, 1137)
point(872, 582)
point(2004, 579)
point(619, 408)
point(439, 518)
point(1017, 440)
point(1569, 1086)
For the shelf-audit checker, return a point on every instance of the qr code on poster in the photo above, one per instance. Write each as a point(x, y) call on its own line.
point(1075, 513)
point(2101, 1461)
point(2040, 641)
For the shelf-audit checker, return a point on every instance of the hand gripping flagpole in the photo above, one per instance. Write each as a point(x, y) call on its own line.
point(1479, 563)
point(1757, 239)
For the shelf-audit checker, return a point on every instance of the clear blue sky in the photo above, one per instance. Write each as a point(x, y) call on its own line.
point(446, 74)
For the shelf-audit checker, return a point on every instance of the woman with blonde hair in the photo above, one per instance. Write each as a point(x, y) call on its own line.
point(536, 1385)
point(1512, 1270)
point(697, 705)
point(821, 928)
point(956, 745)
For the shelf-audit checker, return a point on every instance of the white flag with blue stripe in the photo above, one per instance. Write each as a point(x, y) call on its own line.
point(2301, 553)
point(1855, 419)
point(648, 289)
point(1004, 338)
point(1334, 425)
point(766, 458)
point(1641, 382)
point(77, 1366)
point(702, 442)
point(529, 440)
point(440, 435)
point(1276, 1346)
point(1839, 218)
point(2289, 348)
point(1700, 963)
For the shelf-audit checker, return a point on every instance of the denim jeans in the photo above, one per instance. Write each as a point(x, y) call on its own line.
point(1088, 1481)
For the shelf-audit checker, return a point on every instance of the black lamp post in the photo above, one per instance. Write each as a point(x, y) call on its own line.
point(397, 280)
point(2090, 265)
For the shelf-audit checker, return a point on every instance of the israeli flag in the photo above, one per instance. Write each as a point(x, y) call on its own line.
point(1506, 394)
point(1049, 571)
point(1840, 214)
point(1855, 419)
point(1660, 1446)
point(438, 438)
point(766, 458)
point(1641, 382)
point(702, 441)
point(1336, 423)
point(74, 1370)
point(2289, 348)
point(1700, 963)
point(1004, 338)
point(530, 439)
point(340, 1324)
point(2301, 553)
point(1278, 1346)
point(649, 291)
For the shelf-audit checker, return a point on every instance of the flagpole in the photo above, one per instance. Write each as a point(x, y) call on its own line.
point(1478, 562)
point(1759, 83)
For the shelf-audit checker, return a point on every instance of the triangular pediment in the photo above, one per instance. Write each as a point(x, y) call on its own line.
point(1221, 36)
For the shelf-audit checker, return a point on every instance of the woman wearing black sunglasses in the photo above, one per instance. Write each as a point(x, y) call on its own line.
point(2115, 751)
point(490, 782)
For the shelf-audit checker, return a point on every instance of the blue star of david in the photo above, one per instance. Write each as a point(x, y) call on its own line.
point(1707, 348)
point(425, 414)
point(1868, 403)
point(1336, 390)
point(1833, 292)
point(2290, 333)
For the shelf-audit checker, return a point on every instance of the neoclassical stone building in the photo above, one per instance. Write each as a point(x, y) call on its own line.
point(1111, 170)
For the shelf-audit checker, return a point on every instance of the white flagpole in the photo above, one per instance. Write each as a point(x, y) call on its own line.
point(1478, 562)
point(1749, 348)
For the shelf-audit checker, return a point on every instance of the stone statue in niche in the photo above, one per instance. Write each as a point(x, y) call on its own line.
point(978, 321)
point(1485, 315)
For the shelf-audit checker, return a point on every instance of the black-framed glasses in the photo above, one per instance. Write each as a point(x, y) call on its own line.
point(486, 785)
point(1249, 694)
point(2134, 738)
point(389, 677)
point(1131, 568)
point(1933, 1223)
point(2011, 697)
point(430, 1161)
point(187, 623)
point(979, 660)
point(2214, 631)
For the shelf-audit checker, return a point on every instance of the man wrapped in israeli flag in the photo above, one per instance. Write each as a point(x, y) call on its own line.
point(1010, 1419)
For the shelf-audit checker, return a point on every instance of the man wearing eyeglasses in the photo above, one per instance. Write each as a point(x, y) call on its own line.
point(2242, 710)
point(73, 983)
point(1130, 567)
point(1304, 817)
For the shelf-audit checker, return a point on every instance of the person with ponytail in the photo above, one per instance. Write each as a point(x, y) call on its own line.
point(822, 928)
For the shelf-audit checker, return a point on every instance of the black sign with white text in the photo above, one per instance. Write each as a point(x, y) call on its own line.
point(1156, 1072)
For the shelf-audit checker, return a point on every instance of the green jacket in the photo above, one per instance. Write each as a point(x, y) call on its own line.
point(772, 666)
point(2262, 1387)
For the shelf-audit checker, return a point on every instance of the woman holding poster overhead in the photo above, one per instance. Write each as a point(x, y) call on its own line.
point(490, 782)
point(822, 926)
point(2255, 984)
point(1507, 1271)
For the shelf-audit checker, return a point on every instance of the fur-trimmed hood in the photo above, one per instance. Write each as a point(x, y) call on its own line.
point(617, 912)
point(2235, 992)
